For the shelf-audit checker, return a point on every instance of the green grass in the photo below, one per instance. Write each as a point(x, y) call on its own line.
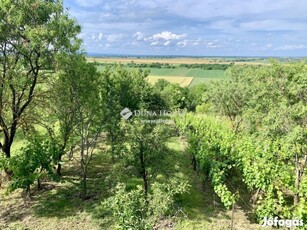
point(59, 206)
point(185, 72)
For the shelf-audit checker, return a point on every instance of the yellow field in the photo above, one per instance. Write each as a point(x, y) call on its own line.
point(182, 81)
point(174, 61)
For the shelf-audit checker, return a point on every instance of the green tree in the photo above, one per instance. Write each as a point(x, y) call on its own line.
point(32, 33)
point(147, 149)
point(84, 81)
point(61, 108)
point(122, 89)
point(196, 96)
point(130, 210)
point(34, 161)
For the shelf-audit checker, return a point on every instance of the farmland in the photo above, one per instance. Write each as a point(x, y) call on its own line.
point(191, 76)
point(139, 143)
point(178, 60)
point(182, 81)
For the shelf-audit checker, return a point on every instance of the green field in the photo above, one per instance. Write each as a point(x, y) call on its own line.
point(199, 75)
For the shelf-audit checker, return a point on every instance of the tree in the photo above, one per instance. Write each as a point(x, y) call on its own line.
point(62, 109)
point(175, 96)
point(32, 163)
point(195, 96)
point(32, 33)
point(130, 210)
point(122, 89)
point(84, 81)
point(147, 150)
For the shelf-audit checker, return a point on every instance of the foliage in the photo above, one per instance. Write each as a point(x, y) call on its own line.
point(195, 96)
point(131, 210)
point(32, 34)
point(146, 149)
point(32, 163)
point(87, 101)
point(258, 131)
point(174, 96)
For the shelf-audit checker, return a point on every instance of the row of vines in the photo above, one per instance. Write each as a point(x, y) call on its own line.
point(250, 131)
point(263, 165)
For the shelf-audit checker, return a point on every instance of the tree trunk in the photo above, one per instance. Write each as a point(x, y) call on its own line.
point(62, 152)
point(194, 163)
point(84, 186)
point(8, 141)
point(59, 166)
point(39, 184)
point(6, 148)
point(58, 170)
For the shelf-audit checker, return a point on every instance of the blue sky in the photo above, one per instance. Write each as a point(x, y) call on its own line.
point(193, 27)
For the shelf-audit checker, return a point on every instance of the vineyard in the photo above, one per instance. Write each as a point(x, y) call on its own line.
point(254, 138)
point(159, 143)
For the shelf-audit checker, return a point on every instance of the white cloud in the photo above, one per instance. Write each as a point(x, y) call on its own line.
point(139, 36)
point(269, 45)
point(100, 36)
point(166, 35)
point(291, 47)
point(183, 43)
point(167, 43)
point(212, 45)
point(114, 37)
point(86, 3)
point(272, 25)
point(154, 43)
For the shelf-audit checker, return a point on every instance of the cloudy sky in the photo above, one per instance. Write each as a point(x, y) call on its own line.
point(192, 27)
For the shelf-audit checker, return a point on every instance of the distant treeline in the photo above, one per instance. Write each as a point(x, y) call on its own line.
point(158, 65)
point(189, 66)
point(207, 66)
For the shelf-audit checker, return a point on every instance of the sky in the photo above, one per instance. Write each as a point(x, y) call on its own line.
point(192, 27)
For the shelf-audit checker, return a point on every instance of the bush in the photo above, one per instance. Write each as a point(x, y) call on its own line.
point(32, 163)
point(132, 210)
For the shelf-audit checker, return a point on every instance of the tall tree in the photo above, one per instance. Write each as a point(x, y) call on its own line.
point(62, 109)
point(147, 149)
point(84, 81)
point(32, 33)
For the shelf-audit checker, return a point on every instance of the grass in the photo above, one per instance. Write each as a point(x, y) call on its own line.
point(186, 72)
point(59, 206)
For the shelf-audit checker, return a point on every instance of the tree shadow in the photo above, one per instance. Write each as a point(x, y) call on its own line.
point(66, 200)
point(61, 202)
point(14, 211)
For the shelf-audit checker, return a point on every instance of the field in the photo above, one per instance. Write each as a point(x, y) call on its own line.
point(177, 60)
point(190, 76)
point(199, 75)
